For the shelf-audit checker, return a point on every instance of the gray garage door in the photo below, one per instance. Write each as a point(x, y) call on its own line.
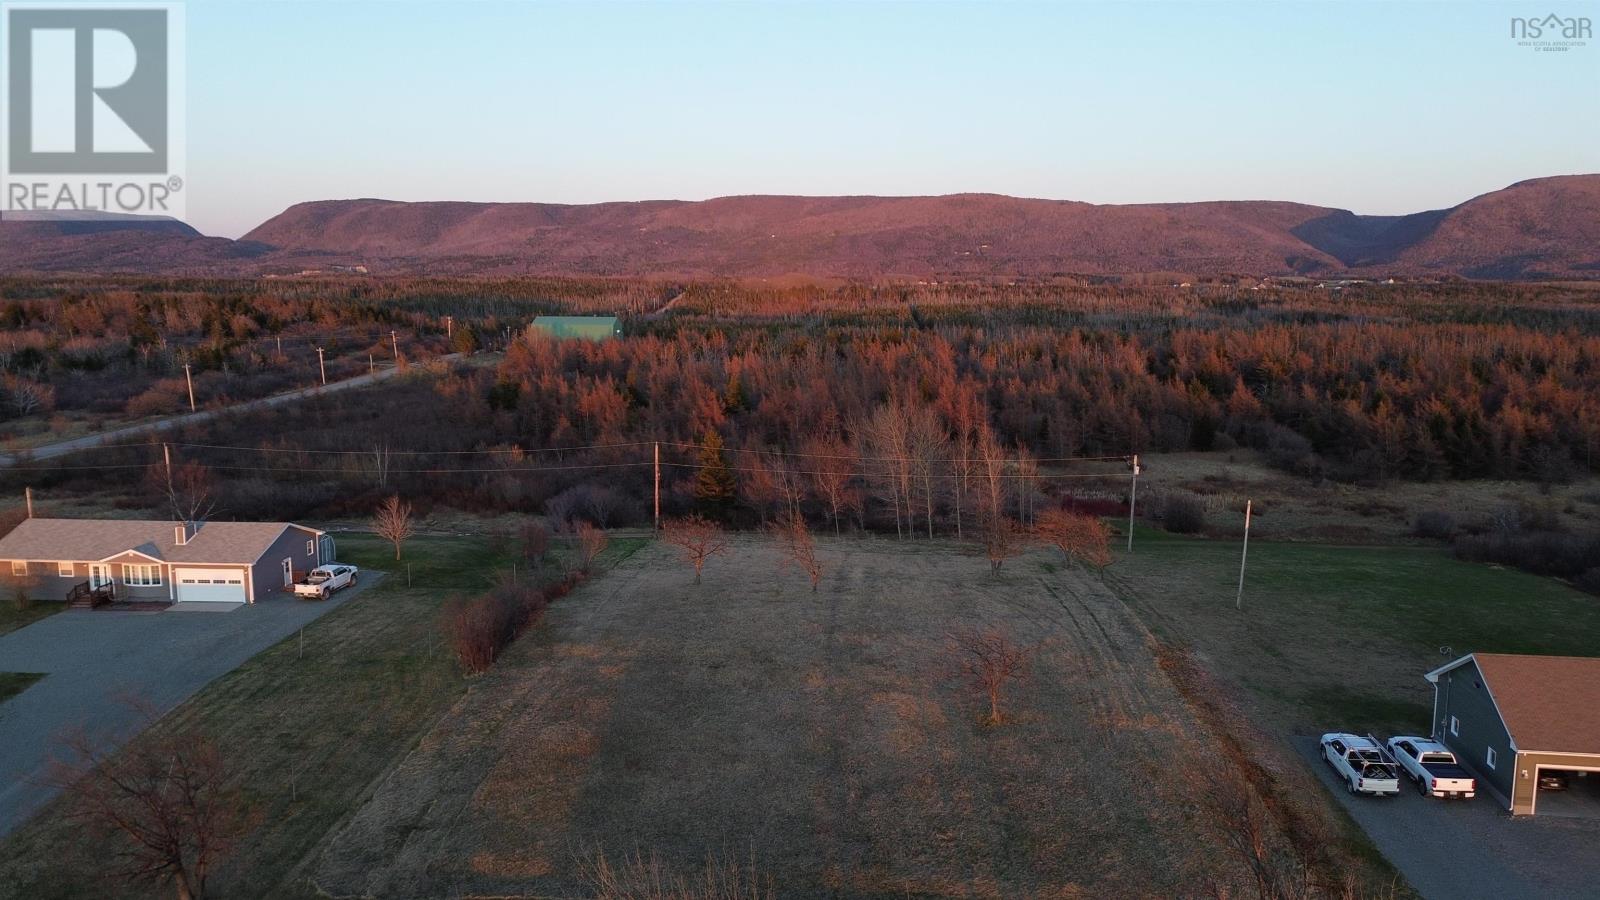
point(210, 585)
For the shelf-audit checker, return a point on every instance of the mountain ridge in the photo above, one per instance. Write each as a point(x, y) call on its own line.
point(1539, 228)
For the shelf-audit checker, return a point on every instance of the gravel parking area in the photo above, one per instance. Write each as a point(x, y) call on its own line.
point(1459, 850)
point(94, 662)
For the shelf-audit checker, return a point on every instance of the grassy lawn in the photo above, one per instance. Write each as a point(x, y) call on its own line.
point(14, 683)
point(311, 727)
point(12, 618)
point(1337, 636)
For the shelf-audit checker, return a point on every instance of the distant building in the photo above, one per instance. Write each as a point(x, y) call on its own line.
point(587, 328)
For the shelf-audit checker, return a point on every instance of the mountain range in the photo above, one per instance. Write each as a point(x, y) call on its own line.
point(1546, 228)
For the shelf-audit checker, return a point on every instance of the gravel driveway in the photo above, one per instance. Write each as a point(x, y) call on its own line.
point(1461, 850)
point(94, 660)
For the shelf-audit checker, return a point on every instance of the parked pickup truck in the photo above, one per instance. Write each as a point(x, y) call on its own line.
point(321, 582)
point(1432, 767)
point(1359, 763)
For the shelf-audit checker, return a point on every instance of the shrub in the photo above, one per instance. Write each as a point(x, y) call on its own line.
point(535, 540)
point(1589, 581)
point(1184, 515)
point(480, 628)
point(1539, 552)
point(1436, 524)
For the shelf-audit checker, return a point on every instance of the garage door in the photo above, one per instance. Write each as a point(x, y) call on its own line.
point(210, 585)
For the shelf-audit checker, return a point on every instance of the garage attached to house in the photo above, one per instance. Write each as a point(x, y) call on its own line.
point(210, 585)
point(95, 562)
point(1527, 726)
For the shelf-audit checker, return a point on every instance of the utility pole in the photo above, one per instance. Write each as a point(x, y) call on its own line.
point(190, 379)
point(450, 327)
point(321, 366)
point(166, 457)
point(28, 493)
point(1133, 497)
point(280, 344)
point(1238, 601)
point(371, 365)
point(394, 341)
point(658, 485)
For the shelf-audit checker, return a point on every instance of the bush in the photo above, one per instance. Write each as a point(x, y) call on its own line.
point(1436, 524)
point(478, 629)
point(1539, 552)
point(1184, 515)
point(21, 600)
point(1589, 581)
point(535, 540)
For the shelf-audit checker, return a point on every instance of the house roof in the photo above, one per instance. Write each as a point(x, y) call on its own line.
point(1549, 704)
point(91, 540)
point(577, 326)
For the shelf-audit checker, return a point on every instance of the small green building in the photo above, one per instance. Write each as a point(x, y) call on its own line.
point(587, 328)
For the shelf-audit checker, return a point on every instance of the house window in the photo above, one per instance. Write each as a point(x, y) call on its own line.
point(1488, 757)
point(141, 576)
point(1455, 726)
point(311, 547)
point(64, 569)
point(19, 567)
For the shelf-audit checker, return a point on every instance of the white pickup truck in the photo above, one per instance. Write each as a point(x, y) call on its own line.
point(321, 582)
point(1432, 767)
point(1359, 763)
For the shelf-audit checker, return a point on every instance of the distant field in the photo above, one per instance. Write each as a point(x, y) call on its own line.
point(1339, 637)
point(828, 739)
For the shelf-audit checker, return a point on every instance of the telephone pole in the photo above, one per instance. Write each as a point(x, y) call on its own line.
point(394, 341)
point(280, 344)
point(658, 485)
point(450, 327)
point(1133, 497)
point(28, 493)
point(371, 365)
point(321, 366)
point(1238, 601)
point(190, 379)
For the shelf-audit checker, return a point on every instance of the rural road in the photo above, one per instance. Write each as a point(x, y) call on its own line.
point(61, 448)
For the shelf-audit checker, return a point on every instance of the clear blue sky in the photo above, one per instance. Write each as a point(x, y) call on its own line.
point(1378, 107)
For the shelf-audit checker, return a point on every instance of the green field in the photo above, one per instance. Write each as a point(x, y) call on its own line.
point(14, 683)
point(1340, 636)
point(311, 725)
point(12, 618)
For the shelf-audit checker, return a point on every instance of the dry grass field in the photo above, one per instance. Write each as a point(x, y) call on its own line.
point(1293, 508)
point(827, 740)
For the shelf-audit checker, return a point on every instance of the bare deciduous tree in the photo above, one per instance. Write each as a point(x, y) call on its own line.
point(393, 523)
point(991, 660)
point(186, 488)
point(166, 800)
point(831, 464)
point(592, 542)
point(799, 548)
point(1002, 540)
point(1082, 539)
point(535, 540)
point(698, 537)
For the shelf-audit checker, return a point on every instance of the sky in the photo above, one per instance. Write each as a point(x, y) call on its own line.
point(1378, 107)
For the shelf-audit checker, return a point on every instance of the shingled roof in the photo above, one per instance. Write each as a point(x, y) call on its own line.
point(89, 540)
point(1550, 704)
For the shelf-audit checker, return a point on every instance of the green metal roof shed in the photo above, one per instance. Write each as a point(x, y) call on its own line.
point(588, 328)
